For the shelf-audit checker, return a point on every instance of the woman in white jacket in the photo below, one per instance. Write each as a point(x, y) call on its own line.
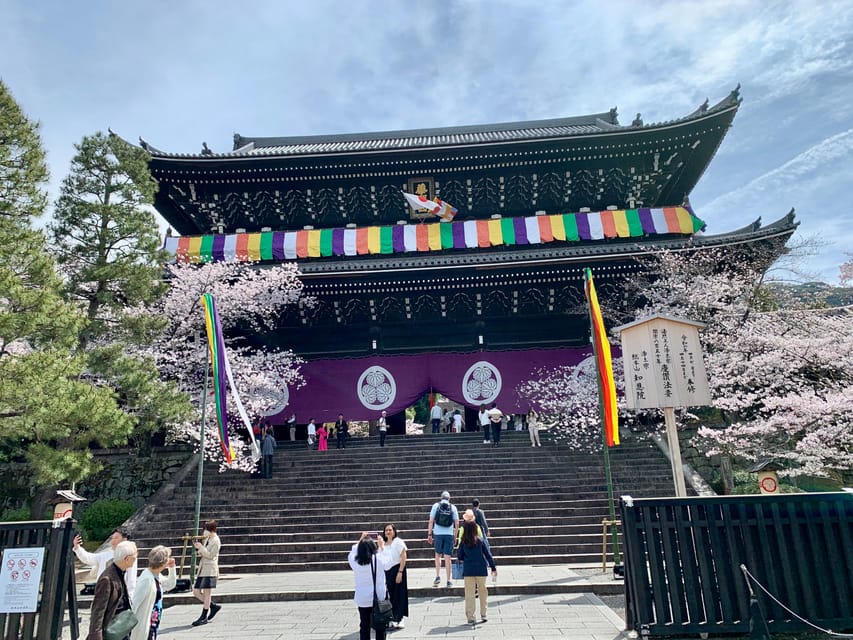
point(148, 597)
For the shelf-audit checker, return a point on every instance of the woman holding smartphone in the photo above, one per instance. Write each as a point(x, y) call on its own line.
point(368, 560)
point(395, 577)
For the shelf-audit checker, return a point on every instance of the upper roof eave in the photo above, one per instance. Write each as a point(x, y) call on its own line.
point(577, 126)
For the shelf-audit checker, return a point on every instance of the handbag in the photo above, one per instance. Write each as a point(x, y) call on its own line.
point(383, 612)
point(456, 570)
point(120, 626)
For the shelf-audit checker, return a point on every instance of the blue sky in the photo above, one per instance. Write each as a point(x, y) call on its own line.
point(181, 72)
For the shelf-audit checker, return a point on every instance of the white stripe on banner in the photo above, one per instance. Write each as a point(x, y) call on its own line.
point(256, 449)
point(470, 227)
point(290, 245)
point(410, 237)
point(596, 231)
point(532, 226)
point(171, 245)
point(230, 248)
point(349, 242)
point(659, 221)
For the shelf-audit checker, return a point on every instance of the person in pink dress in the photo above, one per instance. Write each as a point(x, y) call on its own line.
point(322, 438)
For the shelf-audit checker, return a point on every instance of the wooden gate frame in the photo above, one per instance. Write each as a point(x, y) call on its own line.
point(683, 557)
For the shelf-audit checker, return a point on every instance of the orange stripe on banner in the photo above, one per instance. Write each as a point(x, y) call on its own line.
point(607, 224)
point(546, 234)
point(422, 237)
point(671, 217)
point(483, 233)
point(242, 248)
point(434, 236)
point(496, 235)
point(301, 244)
point(685, 223)
point(182, 250)
point(361, 241)
point(253, 246)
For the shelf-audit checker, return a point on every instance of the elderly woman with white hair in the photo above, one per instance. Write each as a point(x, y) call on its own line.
point(148, 600)
point(111, 596)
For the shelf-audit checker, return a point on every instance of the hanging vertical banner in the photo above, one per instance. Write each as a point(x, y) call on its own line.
point(221, 376)
point(604, 364)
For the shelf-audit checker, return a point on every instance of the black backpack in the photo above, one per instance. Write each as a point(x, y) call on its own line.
point(444, 514)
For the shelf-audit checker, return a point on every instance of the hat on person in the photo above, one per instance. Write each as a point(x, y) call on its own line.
point(445, 495)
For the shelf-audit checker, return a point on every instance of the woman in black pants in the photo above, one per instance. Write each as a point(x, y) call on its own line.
point(368, 557)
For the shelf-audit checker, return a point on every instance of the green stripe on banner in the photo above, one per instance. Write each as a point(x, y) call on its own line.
point(386, 239)
point(446, 234)
point(571, 225)
point(266, 245)
point(206, 249)
point(325, 242)
point(697, 223)
point(508, 230)
point(635, 227)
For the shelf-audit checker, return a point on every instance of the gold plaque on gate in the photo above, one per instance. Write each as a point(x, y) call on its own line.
point(421, 187)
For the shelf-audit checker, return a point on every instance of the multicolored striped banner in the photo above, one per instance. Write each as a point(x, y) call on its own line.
point(419, 238)
point(217, 357)
point(604, 364)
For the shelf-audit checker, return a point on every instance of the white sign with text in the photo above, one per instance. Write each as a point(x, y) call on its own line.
point(20, 575)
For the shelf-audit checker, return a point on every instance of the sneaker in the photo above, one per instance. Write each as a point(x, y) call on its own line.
point(436, 582)
point(401, 624)
point(214, 609)
point(483, 620)
point(449, 584)
point(472, 622)
point(197, 623)
point(485, 442)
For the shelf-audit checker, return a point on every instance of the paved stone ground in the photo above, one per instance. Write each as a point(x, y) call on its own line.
point(520, 617)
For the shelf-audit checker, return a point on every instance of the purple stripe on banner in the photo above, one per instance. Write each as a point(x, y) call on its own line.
point(458, 236)
point(338, 242)
point(397, 238)
point(278, 245)
point(520, 231)
point(218, 251)
point(646, 220)
point(583, 226)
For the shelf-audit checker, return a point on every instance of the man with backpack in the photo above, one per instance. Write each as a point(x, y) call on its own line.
point(441, 532)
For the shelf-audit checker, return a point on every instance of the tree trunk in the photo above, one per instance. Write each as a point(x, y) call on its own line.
point(727, 475)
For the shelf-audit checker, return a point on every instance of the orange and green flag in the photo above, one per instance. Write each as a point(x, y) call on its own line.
point(603, 364)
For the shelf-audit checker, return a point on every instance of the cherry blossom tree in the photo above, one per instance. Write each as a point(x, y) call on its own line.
point(249, 299)
point(567, 397)
point(780, 374)
point(780, 371)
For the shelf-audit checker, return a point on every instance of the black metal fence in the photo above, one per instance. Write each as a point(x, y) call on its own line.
point(57, 580)
point(683, 558)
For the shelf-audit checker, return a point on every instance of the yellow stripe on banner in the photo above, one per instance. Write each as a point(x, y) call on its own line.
point(434, 236)
point(496, 236)
point(374, 240)
point(194, 249)
point(684, 220)
point(558, 229)
point(314, 243)
point(621, 222)
point(253, 246)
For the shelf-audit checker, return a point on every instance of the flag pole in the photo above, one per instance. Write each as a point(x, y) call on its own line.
point(611, 505)
point(200, 478)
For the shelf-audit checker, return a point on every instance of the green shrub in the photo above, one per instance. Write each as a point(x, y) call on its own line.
point(103, 516)
point(16, 515)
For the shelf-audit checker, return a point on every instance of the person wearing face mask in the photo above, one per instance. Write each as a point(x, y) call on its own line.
point(208, 572)
point(101, 558)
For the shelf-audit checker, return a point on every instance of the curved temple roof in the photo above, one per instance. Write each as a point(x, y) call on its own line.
point(597, 123)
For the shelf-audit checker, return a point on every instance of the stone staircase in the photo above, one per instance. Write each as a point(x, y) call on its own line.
point(544, 505)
